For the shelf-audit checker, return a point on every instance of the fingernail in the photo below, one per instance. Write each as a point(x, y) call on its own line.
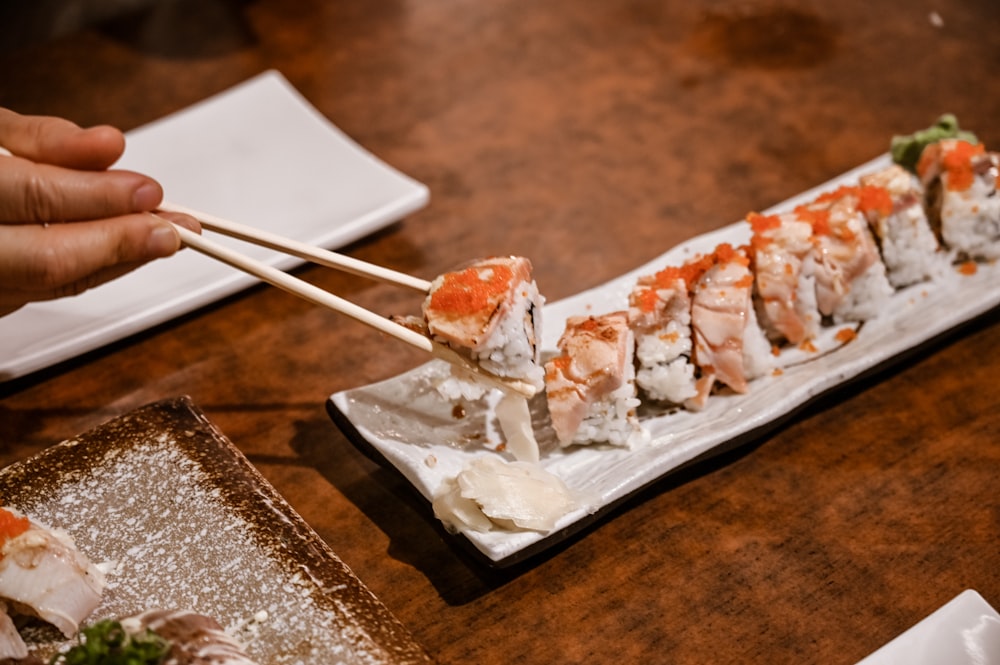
point(146, 197)
point(162, 241)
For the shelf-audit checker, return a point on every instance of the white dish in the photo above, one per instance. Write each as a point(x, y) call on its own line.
point(258, 153)
point(401, 421)
point(965, 631)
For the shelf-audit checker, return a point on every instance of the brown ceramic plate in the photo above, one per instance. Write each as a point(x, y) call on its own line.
point(178, 518)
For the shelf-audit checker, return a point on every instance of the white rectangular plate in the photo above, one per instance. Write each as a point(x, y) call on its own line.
point(402, 421)
point(258, 153)
point(965, 631)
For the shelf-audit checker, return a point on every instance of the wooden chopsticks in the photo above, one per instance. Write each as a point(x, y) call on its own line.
point(300, 249)
point(318, 296)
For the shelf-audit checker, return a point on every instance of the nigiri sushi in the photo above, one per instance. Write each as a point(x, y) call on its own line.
point(43, 574)
point(490, 311)
point(590, 386)
point(729, 345)
point(892, 201)
point(960, 179)
point(659, 315)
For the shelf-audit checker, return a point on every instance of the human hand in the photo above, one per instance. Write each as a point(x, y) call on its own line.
point(67, 222)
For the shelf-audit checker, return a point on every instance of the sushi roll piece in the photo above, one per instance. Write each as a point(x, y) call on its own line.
point(659, 315)
point(729, 345)
point(491, 312)
point(590, 386)
point(784, 277)
point(960, 180)
point(12, 647)
point(892, 201)
point(43, 574)
point(851, 282)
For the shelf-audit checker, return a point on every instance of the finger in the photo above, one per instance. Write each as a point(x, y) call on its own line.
point(60, 142)
point(40, 193)
point(39, 263)
point(13, 299)
point(187, 221)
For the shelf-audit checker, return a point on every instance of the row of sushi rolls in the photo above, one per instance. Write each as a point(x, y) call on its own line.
point(687, 332)
point(708, 326)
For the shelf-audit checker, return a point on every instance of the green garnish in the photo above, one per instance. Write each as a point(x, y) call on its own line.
point(906, 149)
point(107, 643)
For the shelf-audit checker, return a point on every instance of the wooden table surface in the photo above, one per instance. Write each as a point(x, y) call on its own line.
point(591, 137)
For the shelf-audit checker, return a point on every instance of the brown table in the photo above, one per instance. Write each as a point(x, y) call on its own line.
point(589, 136)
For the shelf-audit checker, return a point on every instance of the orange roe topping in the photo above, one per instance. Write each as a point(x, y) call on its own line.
point(760, 223)
point(467, 291)
point(745, 281)
point(694, 269)
point(837, 194)
point(725, 253)
point(556, 365)
point(845, 335)
point(777, 371)
point(646, 299)
point(807, 346)
point(589, 324)
point(958, 163)
point(875, 199)
point(819, 220)
point(775, 350)
point(759, 242)
point(670, 337)
point(690, 272)
point(968, 268)
point(11, 525)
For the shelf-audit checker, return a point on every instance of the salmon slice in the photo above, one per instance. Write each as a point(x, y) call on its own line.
point(593, 380)
point(844, 246)
point(783, 265)
point(720, 313)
